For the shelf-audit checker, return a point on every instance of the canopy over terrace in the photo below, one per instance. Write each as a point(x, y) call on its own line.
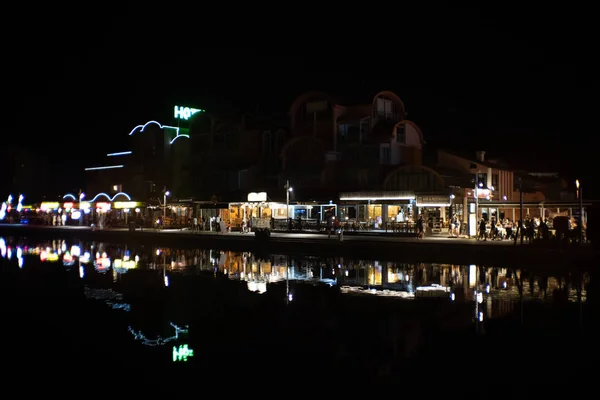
point(543, 209)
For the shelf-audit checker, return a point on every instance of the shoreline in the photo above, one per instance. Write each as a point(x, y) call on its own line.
point(357, 246)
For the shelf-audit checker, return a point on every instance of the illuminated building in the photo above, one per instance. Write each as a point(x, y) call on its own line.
point(152, 156)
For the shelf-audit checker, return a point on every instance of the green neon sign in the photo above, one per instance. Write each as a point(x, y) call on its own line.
point(186, 113)
point(182, 352)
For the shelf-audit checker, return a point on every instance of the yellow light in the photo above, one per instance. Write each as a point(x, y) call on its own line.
point(126, 204)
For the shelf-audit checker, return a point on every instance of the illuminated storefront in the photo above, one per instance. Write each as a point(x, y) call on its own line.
point(383, 210)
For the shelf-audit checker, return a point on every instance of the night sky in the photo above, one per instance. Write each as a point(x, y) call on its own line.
point(520, 84)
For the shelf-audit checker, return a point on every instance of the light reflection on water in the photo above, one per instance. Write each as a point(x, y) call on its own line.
point(495, 292)
point(400, 280)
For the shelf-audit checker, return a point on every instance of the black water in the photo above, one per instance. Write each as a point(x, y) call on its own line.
point(72, 309)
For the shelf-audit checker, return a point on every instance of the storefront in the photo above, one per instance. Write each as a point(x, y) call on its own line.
point(207, 212)
point(386, 210)
point(257, 205)
point(435, 210)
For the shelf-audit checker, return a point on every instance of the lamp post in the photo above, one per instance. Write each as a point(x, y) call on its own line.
point(288, 189)
point(81, 197)
point(167, 193)
point(580, 197)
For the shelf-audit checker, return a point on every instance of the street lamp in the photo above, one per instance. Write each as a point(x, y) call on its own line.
point(580, 197)
point(81, 197)
point(288, 189)
point(167, 193)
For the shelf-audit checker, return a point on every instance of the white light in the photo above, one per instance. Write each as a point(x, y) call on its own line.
point(75, 251)
point(111, 198)
point(167, 193)
point(105, 167)
point(179, 136)
point(360, 198)
point(291, 189)
point(69, 195)
point(166, 280)
point(504, 197)
point(122, 153)
point(76, 215)
point(142, 127)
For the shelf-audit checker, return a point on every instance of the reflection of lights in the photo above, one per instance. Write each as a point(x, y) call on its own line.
point(290, 297)
point(45, 255)
point(452, 296)
point(8, 253)
point(122, 267)
point(182, 353)
point(487, 288)
point(2, 247)
point(382, 293)
point(81, 271)
point(102, 264)
point(480, 316)
point(68, 259)
point(166, 279)
point(75, 251)
point(504, 284)
point(480, 297)
point(259, 287)
point(85, 258)
point(110, 297)
point(159, 341)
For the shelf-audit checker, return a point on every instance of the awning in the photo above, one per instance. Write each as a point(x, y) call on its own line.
point(373, 196)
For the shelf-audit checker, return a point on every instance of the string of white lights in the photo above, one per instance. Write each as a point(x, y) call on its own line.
point(159, 341)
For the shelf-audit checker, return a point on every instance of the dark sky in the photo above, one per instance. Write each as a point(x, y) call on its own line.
point(519, 83)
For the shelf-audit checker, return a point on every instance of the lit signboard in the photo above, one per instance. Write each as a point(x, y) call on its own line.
point(126, 204)
point(49, 205)
point(103, 207)
point(433, 201)
point(185, 113)
point(257, 197)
